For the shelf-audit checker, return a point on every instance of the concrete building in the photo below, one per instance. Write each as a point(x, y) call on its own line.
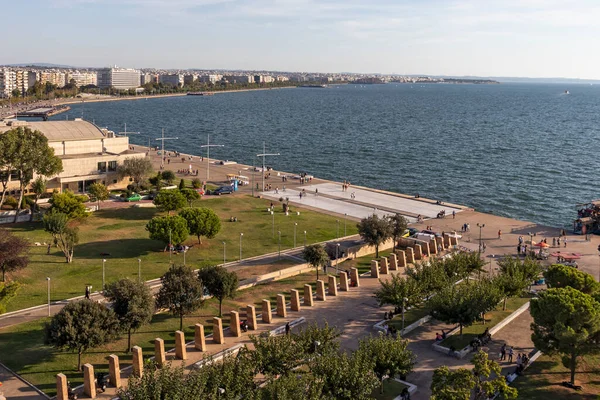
point(8, 82)
point(190, 78)
point(118, 78)
point(213, 78)
point(57, 78)
point(89, 154)
point(171, 79)
point(243, 79)
point(148, 78)
point(82, 78)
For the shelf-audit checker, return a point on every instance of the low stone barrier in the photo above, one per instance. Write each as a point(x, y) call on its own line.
point(281, 329)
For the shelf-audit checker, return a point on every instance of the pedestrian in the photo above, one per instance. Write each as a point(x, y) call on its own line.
point(316, 191)
point(453, 214)
point(503, 352)
point(519, 364)
point(499, 234)
point(558, 241)
point(510, 354)
point(520, 239)
point(565, 240)
point(553, 242)
point(519, 249)
point(49, 245)
point(87, 292)
point(287, 328)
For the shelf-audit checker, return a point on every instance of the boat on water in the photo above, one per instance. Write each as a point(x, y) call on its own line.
point(313, 86)
point(200, 93)
point(567, 92)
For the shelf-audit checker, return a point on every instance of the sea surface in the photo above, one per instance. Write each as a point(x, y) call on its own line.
point(526, 151)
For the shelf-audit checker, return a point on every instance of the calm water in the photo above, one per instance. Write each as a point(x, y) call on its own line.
point(517, 150)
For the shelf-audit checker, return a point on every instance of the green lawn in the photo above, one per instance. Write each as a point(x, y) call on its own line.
point(363, 264)
point(542, 380)
point(391, 390)
point(410, 316)
point(119, 236)
point(491, 320)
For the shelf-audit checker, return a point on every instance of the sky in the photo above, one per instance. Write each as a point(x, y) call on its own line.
point(525, 38)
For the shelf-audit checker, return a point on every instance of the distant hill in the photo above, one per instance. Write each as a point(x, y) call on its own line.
point(41, 65)
point(513, 79)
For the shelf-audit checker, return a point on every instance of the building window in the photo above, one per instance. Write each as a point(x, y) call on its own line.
point(102, 166)
point(112, 166)
point(14, 175)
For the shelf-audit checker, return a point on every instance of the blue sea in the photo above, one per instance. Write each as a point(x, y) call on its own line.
point(526, 151)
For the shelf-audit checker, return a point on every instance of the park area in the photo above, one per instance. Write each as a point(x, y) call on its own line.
point(119, 237)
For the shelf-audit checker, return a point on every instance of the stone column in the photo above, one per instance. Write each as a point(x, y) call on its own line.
point(433, 246)
point(251, 317)
point(425, 250)
point(218, 337)
point(453, 241)
point(137, 361)
point(295, 295)
point(61, 387)
point(234, 324)
point(374, 269)
point(344, 286)
point(384, 268)
point(199, 339)
point(308, 298)
point(418, 252)
point(410, 255)
point(281, 310)
point(267, 317)
point(89, 381)
point(393, 262)
point(439, 241)
point(446, 241)
point(401, 258)
point(321, 290)
point(331, 285)
point(180, 349)
point(159, 352)
point(354, 276)
point(114, 371)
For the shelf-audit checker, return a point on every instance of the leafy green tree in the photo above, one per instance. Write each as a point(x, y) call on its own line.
point(489, 379)
point(452, 384)
point(316, 256)
point(65, 236)
point(190, 195)
point(13, 252)
point(560, 276)
point(38, 186)
point(80, 326)
point(181, 184)
point(69, 204)
point(180, 292)
point(513, 279)
point(375, 231)
point(326, 337)
point(16, 93)
point(168, 176)
point(390, 355)
point(399, 226)
point(275, 355)
point(462, 265)
point(219, 283)
point(138, 169)
point(168, 229)
point(133, 304)
point(393, 291)
point(431, 277)
point(567, 322)
point(196, 183)
point(7, 292)
point(99, 192)
point(201, 222)
point(169, 200)
point(156, 180)
point(293, 387)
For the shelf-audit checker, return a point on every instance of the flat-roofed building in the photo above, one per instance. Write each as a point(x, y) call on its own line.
point(171, 79)
point(8, 82)
point(118, 78)
point(82, 78)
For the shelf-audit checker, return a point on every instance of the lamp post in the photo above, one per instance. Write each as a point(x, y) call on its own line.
point(241, 236)
point(530, 242)
point(404, 300)
point(140, 269)
point(304, 238)
point(295, 226)
point(162, 153)
point(345, 220)
point(263, 155)
point(273, 214)
point(208, 146)
point(48, 279)
point(480, 226)
point(103, 273)
point(224, 254)
point(337, 251)
point(279, 233)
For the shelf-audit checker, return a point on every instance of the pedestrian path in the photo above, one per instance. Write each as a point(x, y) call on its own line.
point(14, 388)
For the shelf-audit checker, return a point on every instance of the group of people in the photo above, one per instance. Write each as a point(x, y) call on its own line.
point(440, 336)
point(345, 186)
point(481, 340)
point(466, 227)
point(304, 178)
point(506, 354)
point(188, 171)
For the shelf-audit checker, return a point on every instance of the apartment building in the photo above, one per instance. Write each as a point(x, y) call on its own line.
point(171, 79)
point(8, 82)
point(82, 78)
point(118, 78)
point(57, 78)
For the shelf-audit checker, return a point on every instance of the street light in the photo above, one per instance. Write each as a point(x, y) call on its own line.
point(304, 238)
point(162, 153)
point(263, 155)
point(273, 214)
point(404, 300)
point(48, 279)
point(337, 250)
point(241, 235)
point(295, 226)
point(279, 233)
point(481, 226)
point(531, 234)
point(140, 269)
point(224, 254)
point(208, 146)
point(103, 274)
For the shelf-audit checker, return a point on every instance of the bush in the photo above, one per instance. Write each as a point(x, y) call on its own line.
point(196, 183)
point(10, 201)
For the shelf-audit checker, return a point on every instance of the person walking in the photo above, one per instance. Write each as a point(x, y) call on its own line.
point(453, 214)
point(499, 234)
point(553, 242)
point(565, 240)
point(87, 292)
point(48, 249)
point(503, 352)
point(510, 354)
point(287, 328)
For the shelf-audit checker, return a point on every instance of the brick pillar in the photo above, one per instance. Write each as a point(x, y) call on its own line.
point(410, 255)
point(199, 339)
point(218, 337)
point(137, 361)
point(295, 295)
point(321, 290)
point(180, 350)
point(234, 324)
point(401, 258)
point(89, 381)
point(159, 352)
point(393, 262)
point(331, 285)
point(114, 371)
point(267, 317)
point(251, 317)
point(308, 299)
point(384, 268)
point(354, 276)
point(374, 269)
point(418, 252)
point(61, 387)
point(344, 286)
point(281, 310)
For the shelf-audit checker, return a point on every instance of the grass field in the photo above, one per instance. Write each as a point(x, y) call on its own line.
point(119, 236)
point(410, 316)
point(363, 264)
point(391, 390)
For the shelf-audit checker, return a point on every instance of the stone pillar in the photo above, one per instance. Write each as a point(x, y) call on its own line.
point(251, 317)
point(439, 242)
point(425, 250)
point(331, 285)
point(446, 241)
point(374, 269)
point(267, 317)
point(344, 286)
point(385, 268)
point(180, 349)
point(295, 295)
point(393, 262)
point(308, 299)
point(89, 381)
point(418, 252)
point(218, 337)
point(234, 324)
point(453, 241)
point(61, 387)
point(433, 246)
point(354, 276)
point(401, 258)
point(199, 339)
point(321, 290)
point(159, 352)
point(410, 255)
point(114, 371)
point(281, 310)
point(137, 361)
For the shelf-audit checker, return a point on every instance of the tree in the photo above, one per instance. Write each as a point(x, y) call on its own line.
point(169, 200)
point(196, 183)
point(156, 180)
point(293, 387)
point(7, 292)
point(81, 325)
point(133, 304)
point(326, 336)
point(168, 229)
point(65, 236)
point(316, 256)
point(394, 291)
point(486, 388)
point(13, 253)
point(375, 231)
point(201, 222)
point(180, 292)
point(69, 204)
point(566, 321)
point(513, 278)
point(168, 176)
point(430, 277)
point(16, 93)
point(275, 355)
point(39, 188)
point(99, 192)
point(181, 184)
point(399, 225)
point(190, 195)
point(136, 168)
point(560, 276)
point(219, 283)
point(455, 384)
point(390, 355)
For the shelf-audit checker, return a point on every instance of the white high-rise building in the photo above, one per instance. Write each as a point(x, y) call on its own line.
point(118, 78)
point(82, 78)
point(8, 82)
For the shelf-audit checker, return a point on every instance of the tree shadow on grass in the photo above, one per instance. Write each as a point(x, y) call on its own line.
point(127, 214)
point(118, 248)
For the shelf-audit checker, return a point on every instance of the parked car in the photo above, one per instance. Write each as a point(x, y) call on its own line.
point(223, 190)
point(134, 197)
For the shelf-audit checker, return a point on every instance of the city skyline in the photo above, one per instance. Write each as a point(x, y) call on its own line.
point(531, 38)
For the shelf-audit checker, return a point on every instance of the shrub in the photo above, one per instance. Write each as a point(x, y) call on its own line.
point(196, 183)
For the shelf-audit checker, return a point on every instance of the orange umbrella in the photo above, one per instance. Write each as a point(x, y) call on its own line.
point(542, 244)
